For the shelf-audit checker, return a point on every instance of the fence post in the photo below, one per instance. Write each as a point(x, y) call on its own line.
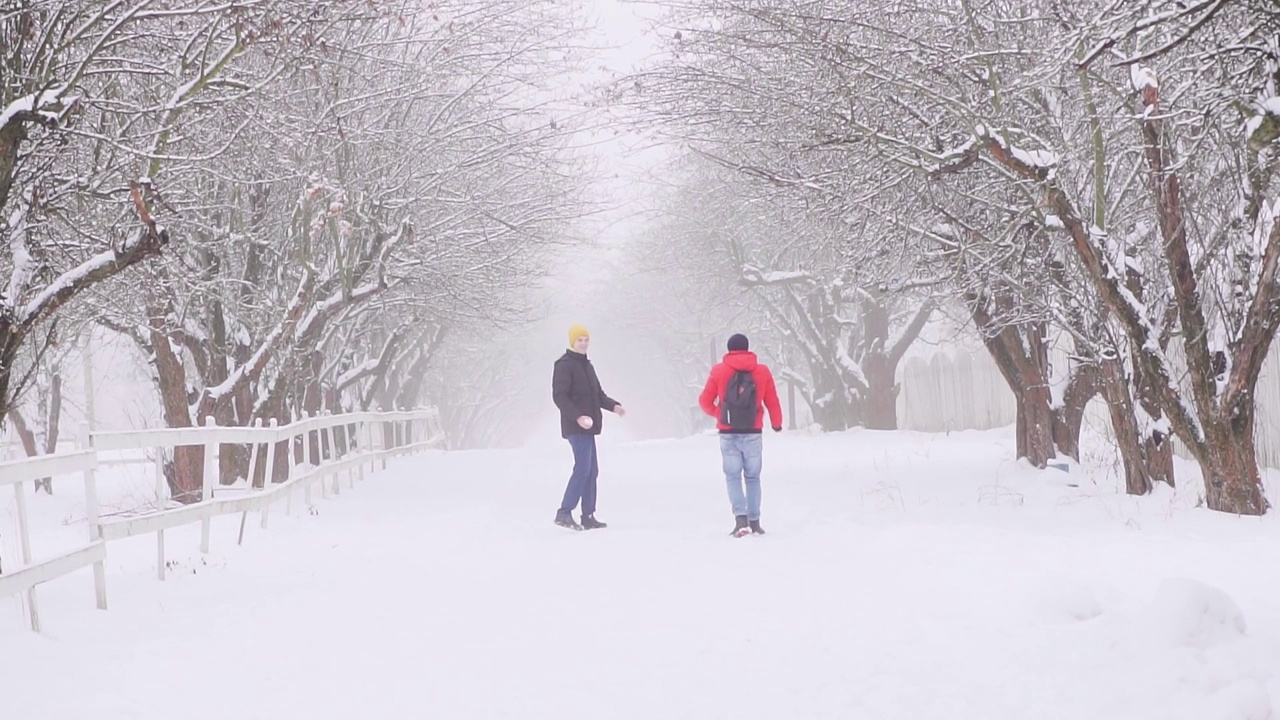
point(348, 432)
point(254, 455)
point(288, 463)
point(333, 454)
point(87, 366)
point(363, 444)
point(268, 471)
point(385, 445)
point(317, 457)
point(94, 518)
point(306, 455)
point(160, 481)
point(24, 544)
point(210, 479)
point(160, 562)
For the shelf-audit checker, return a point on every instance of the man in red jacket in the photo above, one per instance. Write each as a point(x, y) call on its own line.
point(737, 394)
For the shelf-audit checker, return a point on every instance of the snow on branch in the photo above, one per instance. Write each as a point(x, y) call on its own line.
point(1263, 127)
point(44, 106)
point(372, 365)
point(1027, 162)
point(252, 369)
point(23, 266)
point(357, 372)
point(326, 308)
point(754, 276)
point(1202, 11)
point(143, 243)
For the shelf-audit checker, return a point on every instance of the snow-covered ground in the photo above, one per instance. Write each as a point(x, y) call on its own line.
point(904, 575)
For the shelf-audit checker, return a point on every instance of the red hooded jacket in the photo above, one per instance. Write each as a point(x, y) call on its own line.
point(722, 373)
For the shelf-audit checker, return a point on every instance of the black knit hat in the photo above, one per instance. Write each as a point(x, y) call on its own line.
point(738, 342)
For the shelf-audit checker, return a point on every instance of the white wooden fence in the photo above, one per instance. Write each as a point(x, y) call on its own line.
point(963, 390)
point(369, 439)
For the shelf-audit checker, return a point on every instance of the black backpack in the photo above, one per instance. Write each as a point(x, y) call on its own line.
point(738, 406)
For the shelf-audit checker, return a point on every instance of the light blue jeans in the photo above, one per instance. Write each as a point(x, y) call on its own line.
point(743, 455)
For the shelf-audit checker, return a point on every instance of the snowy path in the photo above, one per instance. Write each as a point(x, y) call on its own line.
point(895, 582)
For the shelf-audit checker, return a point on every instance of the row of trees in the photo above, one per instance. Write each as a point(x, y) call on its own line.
point(1094, 171)
point(289, 206)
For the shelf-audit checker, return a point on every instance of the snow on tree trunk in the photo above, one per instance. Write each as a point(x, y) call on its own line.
point(1157, 450)
point(1208, 424)
point(1034, 426)
point(1115, 387)
point(26, 435)
point(880, 407)
point(1230, 467)
point(1022, 356)
point(11, 136)
point(50, 416)
point(1229, 463)
point(185, 472)
point(1068, 416)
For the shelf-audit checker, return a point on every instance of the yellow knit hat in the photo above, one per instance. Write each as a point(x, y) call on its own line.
point(576, 332)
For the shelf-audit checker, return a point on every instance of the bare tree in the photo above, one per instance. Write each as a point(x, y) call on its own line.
point(888, 88)
point(394, 180)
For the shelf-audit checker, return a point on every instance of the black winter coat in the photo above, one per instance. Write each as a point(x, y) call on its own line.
point(576, 391)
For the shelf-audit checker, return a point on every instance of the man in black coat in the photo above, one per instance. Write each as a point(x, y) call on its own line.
point(576, 391)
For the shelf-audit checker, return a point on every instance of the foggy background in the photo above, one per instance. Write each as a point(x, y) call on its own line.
point(918, 221)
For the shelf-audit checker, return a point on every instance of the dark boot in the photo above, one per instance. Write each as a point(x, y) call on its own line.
point(566, 520)
point(589, 522)
point(755, 527)
point(740, 526)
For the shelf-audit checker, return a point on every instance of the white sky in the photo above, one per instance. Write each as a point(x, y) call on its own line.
point(578, 291)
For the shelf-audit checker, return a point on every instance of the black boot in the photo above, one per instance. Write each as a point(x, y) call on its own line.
point(589, 522)
point(755, 527)
point(740, 526)
point(565, 520)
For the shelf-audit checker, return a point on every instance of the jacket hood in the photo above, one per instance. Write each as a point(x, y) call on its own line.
point(743, 360)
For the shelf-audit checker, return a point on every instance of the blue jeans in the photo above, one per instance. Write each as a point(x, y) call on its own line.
point(743, 455)
point(582, 483)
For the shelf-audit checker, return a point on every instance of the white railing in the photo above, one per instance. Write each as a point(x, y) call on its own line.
point(369, 439)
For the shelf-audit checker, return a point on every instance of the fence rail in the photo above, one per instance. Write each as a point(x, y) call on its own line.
point(369, 439)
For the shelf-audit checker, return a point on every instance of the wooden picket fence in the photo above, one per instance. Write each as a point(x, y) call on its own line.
point(369, 440)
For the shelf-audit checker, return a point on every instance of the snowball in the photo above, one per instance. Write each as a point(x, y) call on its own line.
point(1190, 613)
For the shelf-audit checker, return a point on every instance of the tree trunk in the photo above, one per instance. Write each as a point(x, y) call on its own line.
point(880, 410)
point(1115, 388)
point(1021, 354)
point(1156, 446)
point(11, 136)
point(313, 399)
point(274, 408)
point(185, 473)
point(833, 412)
point(1068, 417)
point(879, 399)
point(1035, 425)
point(1231, 480)
point(52, 416)
point(26, 436)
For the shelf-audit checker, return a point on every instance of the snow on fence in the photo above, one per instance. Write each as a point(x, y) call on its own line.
point(370, 438)
point(964, 390)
